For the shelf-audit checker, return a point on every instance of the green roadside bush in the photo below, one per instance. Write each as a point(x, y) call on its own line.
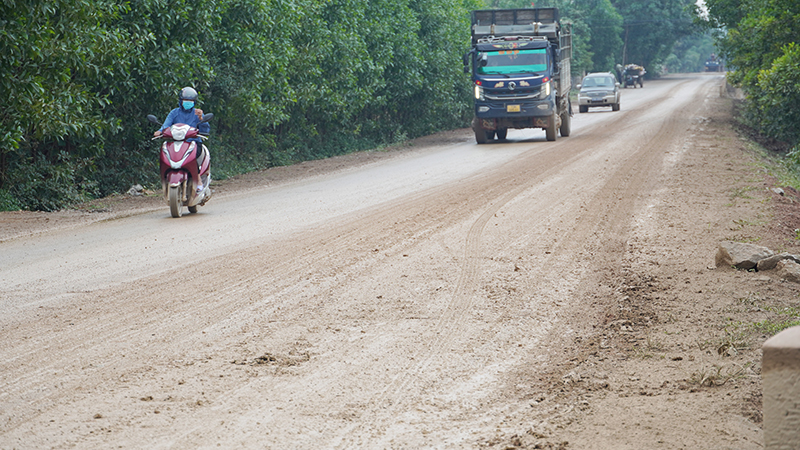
point(287, 80)
point(758, 39)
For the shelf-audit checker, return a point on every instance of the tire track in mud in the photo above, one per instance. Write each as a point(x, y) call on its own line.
point(605, 216)
point(609, 215)
point(610, 220)
point(446, 329)
point(330, 247)
point(107, 320)
point(290, 267)
point(112, 327)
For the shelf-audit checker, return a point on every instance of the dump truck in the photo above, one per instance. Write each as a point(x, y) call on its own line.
point(519, 62)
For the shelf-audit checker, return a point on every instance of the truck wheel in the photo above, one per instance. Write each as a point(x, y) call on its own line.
point(551, 131)
point(483, 136)
point(566, 125)
point(615, 107)
point(501, 133)
point(583, 108)
point(480, 133)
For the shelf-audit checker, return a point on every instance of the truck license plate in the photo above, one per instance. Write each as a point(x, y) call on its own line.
point(512, 108)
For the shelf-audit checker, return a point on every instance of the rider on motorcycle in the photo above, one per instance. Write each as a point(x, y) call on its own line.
point(188, 114)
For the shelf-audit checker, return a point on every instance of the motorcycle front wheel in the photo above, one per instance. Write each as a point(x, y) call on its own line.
point(175, 204)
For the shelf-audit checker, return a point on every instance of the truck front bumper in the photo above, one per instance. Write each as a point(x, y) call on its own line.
point(493, 116)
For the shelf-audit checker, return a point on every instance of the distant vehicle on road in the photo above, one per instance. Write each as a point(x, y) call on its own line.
point(633, 75)
point(714, 64)
point(598, 89)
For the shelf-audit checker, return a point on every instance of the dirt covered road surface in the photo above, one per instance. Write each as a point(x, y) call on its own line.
point(441, 294)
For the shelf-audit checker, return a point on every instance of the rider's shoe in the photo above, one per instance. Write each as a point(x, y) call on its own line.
point(207, 196)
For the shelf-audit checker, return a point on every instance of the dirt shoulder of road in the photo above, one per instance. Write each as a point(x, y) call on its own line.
point(668, 355)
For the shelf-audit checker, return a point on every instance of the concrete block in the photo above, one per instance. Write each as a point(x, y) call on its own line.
point(780, 371)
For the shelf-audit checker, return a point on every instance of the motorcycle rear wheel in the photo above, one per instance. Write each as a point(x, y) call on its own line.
point(175, 205)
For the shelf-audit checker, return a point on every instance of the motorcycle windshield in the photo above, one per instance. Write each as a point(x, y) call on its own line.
point(515, 61)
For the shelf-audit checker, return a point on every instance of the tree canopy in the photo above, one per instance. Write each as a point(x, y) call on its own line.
point(287, 80)
point(651, 28)
point(611, 32)
point(758, 39)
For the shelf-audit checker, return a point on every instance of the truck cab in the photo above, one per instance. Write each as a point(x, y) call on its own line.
point(517, 62)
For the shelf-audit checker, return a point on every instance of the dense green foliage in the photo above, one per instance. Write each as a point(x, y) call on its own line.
point(758, 38)
point(51, 124)
point(611, 32)
point(651, 29)
point(596, 31)
point(287, 80)
point(690, 53)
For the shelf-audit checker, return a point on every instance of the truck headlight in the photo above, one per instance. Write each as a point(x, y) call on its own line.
point(478, 92)
point(545, 91)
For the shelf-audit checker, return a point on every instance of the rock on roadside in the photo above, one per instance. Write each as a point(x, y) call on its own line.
point(749, 256)
point(789, 270)
point(741, 256)
point(772, 262)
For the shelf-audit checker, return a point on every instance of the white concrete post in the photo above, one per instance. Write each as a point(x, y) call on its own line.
point(780, 371)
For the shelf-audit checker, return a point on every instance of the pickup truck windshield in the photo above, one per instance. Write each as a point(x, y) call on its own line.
point(515, 61)
point(598, 82)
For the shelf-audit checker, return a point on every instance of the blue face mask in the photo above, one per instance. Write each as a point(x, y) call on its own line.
point(187, 104)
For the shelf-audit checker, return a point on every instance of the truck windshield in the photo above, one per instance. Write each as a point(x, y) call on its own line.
point(515, 61)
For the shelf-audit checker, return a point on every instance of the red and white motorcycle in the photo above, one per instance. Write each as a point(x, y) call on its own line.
point(184, 167)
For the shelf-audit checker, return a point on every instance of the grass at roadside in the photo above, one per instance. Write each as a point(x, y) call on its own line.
point(774, 159)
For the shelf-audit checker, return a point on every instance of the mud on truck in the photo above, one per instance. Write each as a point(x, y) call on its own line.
point(520, 66)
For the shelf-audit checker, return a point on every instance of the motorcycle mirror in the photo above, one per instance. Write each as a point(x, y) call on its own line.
point(207, 117)
point(153, 119)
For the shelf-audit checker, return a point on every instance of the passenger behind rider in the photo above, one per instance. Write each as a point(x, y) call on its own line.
point(188, 114)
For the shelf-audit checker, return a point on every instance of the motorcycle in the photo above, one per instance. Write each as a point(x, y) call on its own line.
point(184, 166)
